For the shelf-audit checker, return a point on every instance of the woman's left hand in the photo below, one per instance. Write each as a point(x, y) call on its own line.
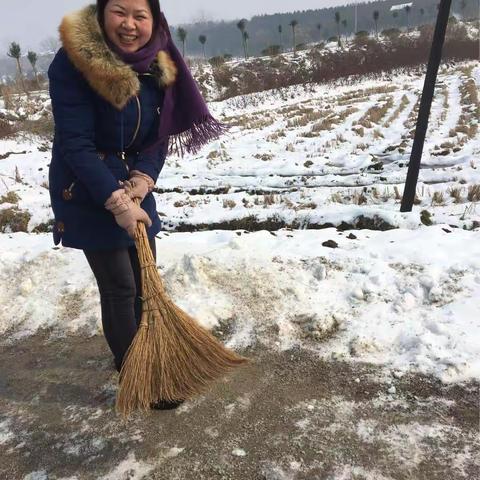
point(139, 185)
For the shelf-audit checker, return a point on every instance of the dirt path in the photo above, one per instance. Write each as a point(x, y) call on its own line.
point(285, 416)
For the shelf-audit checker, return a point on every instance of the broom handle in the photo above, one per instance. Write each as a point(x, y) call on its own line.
point(145, 255)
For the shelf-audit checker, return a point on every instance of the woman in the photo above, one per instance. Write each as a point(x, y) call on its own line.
point(121, 94)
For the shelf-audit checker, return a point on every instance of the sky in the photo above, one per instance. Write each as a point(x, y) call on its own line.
point(29, 22)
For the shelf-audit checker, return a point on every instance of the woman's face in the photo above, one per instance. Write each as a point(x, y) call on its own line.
point(128, 23)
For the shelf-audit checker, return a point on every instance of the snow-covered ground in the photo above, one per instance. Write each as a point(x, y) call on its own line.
point(404, 295)
point(285, 237)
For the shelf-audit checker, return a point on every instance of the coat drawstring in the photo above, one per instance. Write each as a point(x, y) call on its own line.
point(122, 139)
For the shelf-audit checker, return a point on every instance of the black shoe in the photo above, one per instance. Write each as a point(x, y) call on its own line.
point(166, 405)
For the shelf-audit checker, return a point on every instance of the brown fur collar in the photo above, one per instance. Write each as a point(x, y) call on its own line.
point(111, 78)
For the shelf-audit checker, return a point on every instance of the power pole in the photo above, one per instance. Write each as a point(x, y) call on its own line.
point(425, 105)
point(356, 6)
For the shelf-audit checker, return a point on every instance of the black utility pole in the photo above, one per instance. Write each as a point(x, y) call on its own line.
point(425, 105)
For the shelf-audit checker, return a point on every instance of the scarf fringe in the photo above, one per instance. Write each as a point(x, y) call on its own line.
point(200, 133)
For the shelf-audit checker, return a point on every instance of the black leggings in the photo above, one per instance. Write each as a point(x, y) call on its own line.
point(118, 278)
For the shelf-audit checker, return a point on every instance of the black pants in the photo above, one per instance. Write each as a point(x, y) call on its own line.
point(119, 282)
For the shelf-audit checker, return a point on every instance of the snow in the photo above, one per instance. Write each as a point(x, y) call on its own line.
point(406, 298)
point(400, 6)
point(395, 297)
point(129, 469)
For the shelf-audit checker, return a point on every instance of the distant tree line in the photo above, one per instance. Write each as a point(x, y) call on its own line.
point(273, 34)
point(265, 34)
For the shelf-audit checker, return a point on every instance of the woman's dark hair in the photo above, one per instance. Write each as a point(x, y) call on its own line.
point(153, 4)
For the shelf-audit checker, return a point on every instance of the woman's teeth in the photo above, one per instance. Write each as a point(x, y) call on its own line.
point(128, 38)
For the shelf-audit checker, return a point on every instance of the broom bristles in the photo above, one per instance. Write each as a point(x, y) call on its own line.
point(172, 357)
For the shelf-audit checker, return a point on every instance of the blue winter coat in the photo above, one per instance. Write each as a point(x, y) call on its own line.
point(101, 107)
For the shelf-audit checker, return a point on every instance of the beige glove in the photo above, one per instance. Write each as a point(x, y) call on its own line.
point(126, 212)
point(139, 185)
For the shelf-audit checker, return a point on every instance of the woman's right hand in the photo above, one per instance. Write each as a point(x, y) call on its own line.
point(127, 213)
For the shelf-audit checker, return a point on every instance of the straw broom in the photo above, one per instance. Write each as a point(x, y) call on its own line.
point(172, 357)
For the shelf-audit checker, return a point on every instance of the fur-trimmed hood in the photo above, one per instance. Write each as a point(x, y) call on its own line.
point(109, 76)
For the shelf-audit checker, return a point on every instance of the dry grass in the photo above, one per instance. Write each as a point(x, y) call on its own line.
point(363, 146)
point(473, 194)
point(360, 131)
point(325, 124)
point(14, 220)
point(213, 154)
point(10, 197)
point(469, 130)
point(344, 114)
point(358, 197)
point(307, 117)
point(228, 203)
point(456, 194)
point(331, 120)
point(403, 104)
point(273, 137)
point(374, 115)
point(6, 129)
point(269, 199)
point(438, 198)
point(467, 122)
point(469, 92)
point(363, 95)
point(411, 121)
point(256, 121)
point(443, 115)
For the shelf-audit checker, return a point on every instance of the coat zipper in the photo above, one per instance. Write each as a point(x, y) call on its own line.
point(139, 121)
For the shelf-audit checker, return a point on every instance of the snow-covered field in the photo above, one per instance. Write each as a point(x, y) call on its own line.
point(283, 236)
point(404, 294)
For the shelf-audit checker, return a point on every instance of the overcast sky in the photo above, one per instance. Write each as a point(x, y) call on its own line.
point(31, 21)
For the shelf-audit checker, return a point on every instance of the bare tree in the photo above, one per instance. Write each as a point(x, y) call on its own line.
point(294, 24)
point(182, 36)
point(241, 26)
point(337, 21)
point(395, 15)
point(319, 28)
point(246, 37)
point(203, 40)
point(32, 58)
point(344, 23)
point(408, 8)
point(14, 51)
point(280, 31)
point(376, 15)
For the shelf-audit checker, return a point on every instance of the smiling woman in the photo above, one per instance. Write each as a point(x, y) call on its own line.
point(121, 96)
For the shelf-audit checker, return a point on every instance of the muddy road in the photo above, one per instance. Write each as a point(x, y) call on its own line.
point(286, 415)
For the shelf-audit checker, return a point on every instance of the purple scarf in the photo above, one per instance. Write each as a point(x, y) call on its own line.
point(185, 121)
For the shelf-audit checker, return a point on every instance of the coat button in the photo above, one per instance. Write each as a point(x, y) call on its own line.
point(67, 194)
point(60, 227)
point(101, 155)
point(159, 110)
